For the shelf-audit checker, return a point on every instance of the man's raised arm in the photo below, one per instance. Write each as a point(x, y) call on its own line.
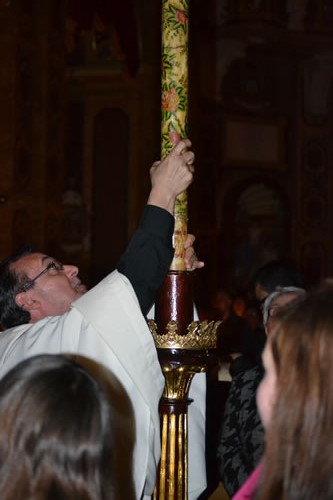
point(150, 252)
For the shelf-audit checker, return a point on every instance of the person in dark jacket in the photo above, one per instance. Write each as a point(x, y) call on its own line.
point(241, 442)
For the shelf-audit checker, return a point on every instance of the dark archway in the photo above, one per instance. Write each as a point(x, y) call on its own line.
point(256, 230)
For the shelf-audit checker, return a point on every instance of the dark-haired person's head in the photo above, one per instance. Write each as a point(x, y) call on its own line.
point(62, 431)
point(34, 285)
point(275, 274)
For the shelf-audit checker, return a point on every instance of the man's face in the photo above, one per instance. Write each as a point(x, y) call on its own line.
point(52, 293)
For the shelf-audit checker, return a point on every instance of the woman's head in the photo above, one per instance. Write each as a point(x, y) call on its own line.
point(300, 345)
point(275, 306)
point(58, 430)
point(299, 355)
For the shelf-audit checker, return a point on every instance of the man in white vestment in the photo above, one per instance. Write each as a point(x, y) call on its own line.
point(46, 309)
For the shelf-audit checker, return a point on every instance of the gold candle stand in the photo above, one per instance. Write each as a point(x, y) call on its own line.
point(183, 345)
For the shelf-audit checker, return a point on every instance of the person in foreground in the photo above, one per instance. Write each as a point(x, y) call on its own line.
point(46, 309)
point(296, 405)
point(66, 431)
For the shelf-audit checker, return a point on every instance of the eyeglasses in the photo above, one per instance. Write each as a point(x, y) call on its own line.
point(274, 310)
point(30, 283)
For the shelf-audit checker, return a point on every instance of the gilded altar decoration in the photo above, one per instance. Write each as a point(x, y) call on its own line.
point(103, 33)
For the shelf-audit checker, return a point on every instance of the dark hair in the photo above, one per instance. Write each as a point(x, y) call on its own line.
point(10, 313)
point(278, 273)
point(59, 431)
point(298, 458)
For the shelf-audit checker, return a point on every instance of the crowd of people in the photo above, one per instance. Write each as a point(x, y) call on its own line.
point(294, 402)
point(272, 441)
point(80, 380)
point(237, 437)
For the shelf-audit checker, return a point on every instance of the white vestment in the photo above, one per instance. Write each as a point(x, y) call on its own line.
point(197, 479)
point(105, 324)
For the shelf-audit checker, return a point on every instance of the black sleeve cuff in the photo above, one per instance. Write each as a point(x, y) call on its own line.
point(157, 221)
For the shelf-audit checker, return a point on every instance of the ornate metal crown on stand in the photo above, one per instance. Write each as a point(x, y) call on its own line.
point(201, 335)
point(183, 348)
point(183, 345)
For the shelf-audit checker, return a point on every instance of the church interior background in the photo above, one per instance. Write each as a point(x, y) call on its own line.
point(80, 127)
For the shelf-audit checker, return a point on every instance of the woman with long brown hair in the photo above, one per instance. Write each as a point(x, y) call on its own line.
point(295, 401)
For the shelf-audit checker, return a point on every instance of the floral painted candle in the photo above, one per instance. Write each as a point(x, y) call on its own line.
point(175, 103)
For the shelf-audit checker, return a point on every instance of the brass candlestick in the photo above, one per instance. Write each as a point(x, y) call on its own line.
point(183, 348)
